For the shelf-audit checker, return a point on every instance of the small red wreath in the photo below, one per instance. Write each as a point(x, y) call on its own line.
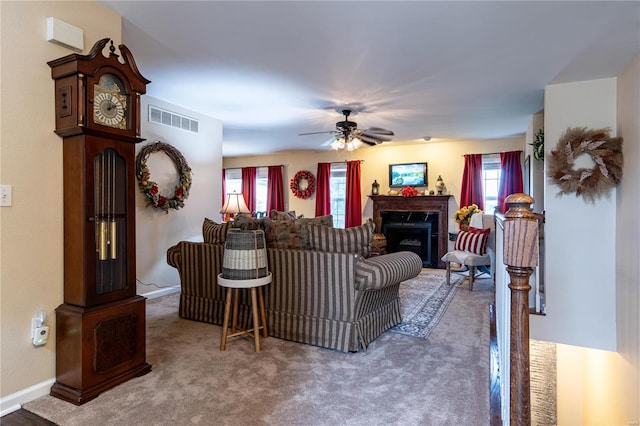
point(298, 178)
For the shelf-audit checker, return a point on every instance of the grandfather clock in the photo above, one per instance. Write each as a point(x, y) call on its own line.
point(100, 327)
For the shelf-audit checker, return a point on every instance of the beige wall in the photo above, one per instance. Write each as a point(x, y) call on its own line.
point(536, 166)
point(579, 265)
point(157, 230)
point(31, 239)
point(598, 387)
point(626, 371)
point(443, 158)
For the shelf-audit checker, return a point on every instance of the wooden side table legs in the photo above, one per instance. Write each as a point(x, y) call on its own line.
point(256, 319)
point(258, 314)
point(225, 321)
point(263, 315)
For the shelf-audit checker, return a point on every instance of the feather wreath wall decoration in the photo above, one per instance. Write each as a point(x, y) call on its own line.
point(606, 153)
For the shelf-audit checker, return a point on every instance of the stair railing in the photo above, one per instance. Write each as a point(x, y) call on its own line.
point(520, 254)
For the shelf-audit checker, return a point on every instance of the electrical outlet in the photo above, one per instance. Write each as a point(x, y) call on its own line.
point(5, 195)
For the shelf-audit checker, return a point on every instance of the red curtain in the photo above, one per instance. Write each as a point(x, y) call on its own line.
point(472, 182)
point(275, 192)
point(510, 177)
point(353, 213)
point(249, 187)
point(323, 189)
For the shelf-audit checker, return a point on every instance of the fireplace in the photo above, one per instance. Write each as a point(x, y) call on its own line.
point(412, 231)
point(418, 224)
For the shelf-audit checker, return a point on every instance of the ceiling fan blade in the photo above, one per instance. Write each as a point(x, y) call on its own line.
point(376, 137)
point(329, 141)
point(315, 133)
point(378, 131)
point(369, 140)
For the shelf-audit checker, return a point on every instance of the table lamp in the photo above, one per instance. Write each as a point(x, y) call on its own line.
point(233, 205)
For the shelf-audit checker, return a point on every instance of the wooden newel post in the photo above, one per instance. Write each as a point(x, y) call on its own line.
point(520, 256)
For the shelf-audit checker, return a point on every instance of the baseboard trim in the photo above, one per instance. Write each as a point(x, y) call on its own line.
point(161, 292)
point(13, 402)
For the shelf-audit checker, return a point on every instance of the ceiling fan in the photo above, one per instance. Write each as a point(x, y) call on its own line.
point(347, 135)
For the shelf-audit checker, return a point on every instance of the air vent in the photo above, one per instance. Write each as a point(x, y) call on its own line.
point(168, 118)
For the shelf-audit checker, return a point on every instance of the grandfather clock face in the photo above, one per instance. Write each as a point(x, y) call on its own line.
point(111, 104)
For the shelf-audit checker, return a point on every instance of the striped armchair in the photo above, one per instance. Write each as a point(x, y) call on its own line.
point(340, 301)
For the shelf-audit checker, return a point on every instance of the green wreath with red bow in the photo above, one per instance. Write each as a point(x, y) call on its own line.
point(150, 188)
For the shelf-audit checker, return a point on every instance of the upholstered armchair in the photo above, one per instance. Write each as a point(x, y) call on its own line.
point(474, 248)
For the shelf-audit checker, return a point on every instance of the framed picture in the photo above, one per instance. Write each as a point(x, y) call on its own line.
point(407, 174)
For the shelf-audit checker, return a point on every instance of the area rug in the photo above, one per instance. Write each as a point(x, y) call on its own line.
point(423, 301)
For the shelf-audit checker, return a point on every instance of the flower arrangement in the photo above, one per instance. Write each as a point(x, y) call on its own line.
point(296, 188)
point(408, 191)
point(463, 215)
point(150, 188)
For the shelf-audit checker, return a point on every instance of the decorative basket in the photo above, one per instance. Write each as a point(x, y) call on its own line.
point(245, 255)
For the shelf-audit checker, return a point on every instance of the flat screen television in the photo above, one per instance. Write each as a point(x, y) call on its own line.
point(407, 174)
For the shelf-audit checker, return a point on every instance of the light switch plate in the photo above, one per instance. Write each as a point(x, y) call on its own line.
point(5, 195)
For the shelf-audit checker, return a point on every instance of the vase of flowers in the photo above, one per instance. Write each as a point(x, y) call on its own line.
point(463, 216)
point(408, 191)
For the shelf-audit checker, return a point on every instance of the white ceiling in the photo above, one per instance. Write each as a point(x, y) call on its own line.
point(450, 70)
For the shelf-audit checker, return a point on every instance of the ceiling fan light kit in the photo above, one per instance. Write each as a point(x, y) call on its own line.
point(348, 136)
point(351, 144)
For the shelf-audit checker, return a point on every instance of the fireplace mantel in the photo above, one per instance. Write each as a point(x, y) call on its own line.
point(425, 203)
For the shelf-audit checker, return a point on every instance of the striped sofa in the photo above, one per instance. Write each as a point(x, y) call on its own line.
point(335, 300)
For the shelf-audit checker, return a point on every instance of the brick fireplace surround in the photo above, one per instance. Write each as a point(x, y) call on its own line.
point(420, 217)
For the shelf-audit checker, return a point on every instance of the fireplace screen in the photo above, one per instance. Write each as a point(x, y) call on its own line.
point(412, 231)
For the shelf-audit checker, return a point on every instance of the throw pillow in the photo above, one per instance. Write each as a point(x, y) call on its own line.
point(474, 240)
point(485, 231)
point(247, 223)
point(336, 240)
point(320, 220)
point(278, 215)
point(213, 232)
point(286, 234)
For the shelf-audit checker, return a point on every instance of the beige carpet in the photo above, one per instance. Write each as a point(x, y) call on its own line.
point(398, 380)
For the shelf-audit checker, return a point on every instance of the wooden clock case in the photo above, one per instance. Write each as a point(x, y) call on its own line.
point(100, 327)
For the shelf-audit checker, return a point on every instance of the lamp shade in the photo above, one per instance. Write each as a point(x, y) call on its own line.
point(354, 144)
point(234, 204)
point(338, 144)
point(245, 255)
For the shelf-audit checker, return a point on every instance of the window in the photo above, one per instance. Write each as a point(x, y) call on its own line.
point(233, 181)
point(490, 181)
point(338, 190)
point(262, 174)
